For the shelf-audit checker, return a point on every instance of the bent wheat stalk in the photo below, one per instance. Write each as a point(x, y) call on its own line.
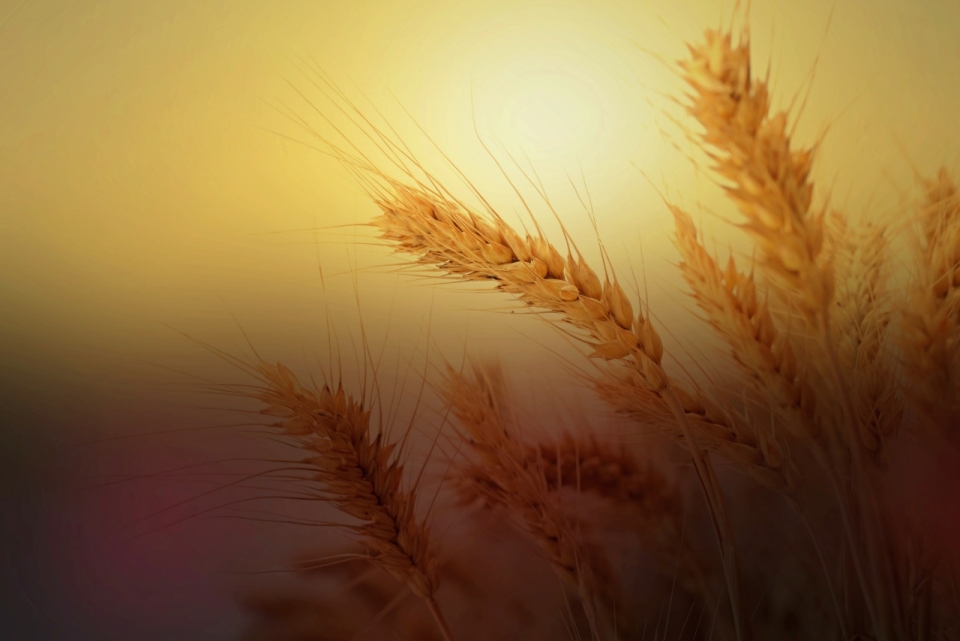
point(359, 475)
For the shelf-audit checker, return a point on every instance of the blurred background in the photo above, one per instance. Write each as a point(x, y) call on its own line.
point(157, 191)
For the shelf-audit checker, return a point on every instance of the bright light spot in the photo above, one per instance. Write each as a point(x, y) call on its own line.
point(544, 110)
point(555, 111)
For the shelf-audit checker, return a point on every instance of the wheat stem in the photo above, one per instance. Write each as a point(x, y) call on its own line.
point(438, 618)
point(851, 539)
point(841, 619)
point(863, 492)
point(718, 513)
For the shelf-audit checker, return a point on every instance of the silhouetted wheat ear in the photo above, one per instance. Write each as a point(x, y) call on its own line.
point(359, 475)
point(931, 324)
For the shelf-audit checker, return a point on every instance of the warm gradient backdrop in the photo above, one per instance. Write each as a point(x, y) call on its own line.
point(152, 181)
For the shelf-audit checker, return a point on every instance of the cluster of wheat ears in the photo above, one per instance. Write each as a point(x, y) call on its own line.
point(834, 371)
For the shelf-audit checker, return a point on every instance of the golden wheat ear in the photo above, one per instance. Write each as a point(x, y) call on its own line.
point(931, 324)
point(359, 474)
point(769, 181)
point(765, 177)
point(764, 354)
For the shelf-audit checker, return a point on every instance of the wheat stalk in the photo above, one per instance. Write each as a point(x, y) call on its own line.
point(360, 477)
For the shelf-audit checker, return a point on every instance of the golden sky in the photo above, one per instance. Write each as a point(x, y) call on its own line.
point(146, 180)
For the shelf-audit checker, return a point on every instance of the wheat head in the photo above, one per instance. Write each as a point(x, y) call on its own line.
point(360, 476)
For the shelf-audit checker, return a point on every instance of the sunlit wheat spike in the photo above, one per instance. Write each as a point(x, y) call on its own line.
point(765, 355)
point(447, 235)
point(766, 178)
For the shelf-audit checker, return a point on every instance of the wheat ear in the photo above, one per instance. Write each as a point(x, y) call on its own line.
point(765, 355)
point(768, 181)
point(766, 178)
point(511, 479)
point(931, 326)
point(360, 476)
point(863, 316)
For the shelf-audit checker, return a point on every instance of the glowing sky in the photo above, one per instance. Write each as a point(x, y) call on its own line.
point(141, 173)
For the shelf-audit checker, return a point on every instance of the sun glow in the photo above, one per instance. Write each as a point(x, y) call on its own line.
point(551, 110)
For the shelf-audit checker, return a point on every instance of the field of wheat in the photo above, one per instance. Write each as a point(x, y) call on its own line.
point(617, 321)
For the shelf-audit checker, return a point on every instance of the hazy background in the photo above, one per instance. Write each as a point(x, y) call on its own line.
point(149, 186)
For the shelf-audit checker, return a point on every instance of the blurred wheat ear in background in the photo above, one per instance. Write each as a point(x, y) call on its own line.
point(832, 369)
